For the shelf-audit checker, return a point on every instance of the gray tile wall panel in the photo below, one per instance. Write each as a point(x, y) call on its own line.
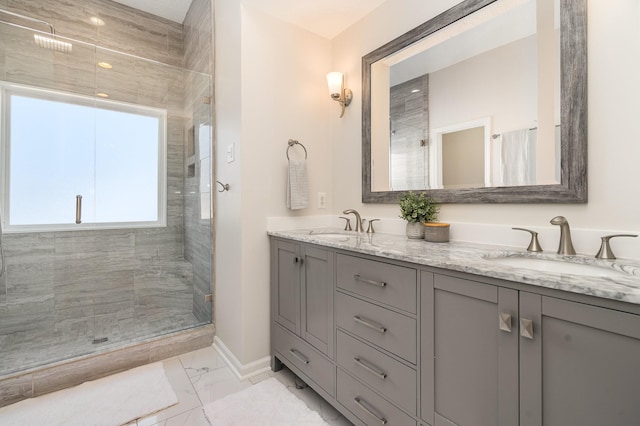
point(63, 289)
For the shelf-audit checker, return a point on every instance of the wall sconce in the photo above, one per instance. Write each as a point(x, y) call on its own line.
point(338, 92)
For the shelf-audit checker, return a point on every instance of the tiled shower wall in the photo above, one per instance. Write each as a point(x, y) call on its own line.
point(409, 134)
point(112, 282)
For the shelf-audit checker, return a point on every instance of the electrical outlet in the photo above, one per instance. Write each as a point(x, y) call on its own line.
point(322, 200)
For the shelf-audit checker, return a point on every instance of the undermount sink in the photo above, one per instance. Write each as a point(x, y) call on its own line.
point(332, 236)
point(559, 266)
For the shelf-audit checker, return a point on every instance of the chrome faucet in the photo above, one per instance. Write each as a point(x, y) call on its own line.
point(358, 219)
point(566, 246)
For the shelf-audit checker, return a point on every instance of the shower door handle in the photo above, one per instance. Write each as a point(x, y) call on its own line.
point(78, 208)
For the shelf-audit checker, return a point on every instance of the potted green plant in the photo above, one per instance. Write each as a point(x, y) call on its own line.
point(417, 209)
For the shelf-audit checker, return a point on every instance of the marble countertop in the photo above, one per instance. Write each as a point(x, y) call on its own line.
point(622, 280)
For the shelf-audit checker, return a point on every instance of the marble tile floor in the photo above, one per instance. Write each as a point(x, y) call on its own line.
point(201, 377)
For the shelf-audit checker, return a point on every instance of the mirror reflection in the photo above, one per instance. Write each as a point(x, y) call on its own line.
point(475, 104)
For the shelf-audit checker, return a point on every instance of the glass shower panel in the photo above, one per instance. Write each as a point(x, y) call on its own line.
point(73, 292)
point(169, 271)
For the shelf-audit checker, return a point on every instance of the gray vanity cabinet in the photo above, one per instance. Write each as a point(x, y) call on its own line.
point(302, 285)
point(377, 340)
point(303, 299)
point(286, 285)
point(499, 356)
point(469, 365)
point(407, 344)
point(582, 366)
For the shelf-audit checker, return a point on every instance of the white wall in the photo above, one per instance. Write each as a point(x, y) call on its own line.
point(271, 87)
point(228, 130)
point(614, 105)
point(502, 81)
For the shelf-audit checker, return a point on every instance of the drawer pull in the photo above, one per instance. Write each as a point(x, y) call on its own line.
point(358, 277)
point(298, 355)
point(371, 411)
point(372, 325)
point(370, 368)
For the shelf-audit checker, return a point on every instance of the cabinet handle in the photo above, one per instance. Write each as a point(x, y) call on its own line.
point(370, 368)
point(372, 325)
point(358, 277)
point(299, 260)
point(526, 328)
point(298, 355)
point(505, 322)
point(371, 411)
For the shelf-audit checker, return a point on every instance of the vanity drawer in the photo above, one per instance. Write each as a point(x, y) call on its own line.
point(305, 358)
point(390, 330)
point(394, 380)
point(390, 284)
point(367, 405)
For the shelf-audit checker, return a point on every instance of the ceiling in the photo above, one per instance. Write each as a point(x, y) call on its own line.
point(174, 10)
point(327, 18)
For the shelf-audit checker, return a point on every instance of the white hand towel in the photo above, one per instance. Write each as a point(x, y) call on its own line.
point(518, 158)
point(297, 185)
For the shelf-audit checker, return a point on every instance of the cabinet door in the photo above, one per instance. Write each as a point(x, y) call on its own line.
point(317, 298)
point(286, 285)
point(582, 366)
point(473, 351)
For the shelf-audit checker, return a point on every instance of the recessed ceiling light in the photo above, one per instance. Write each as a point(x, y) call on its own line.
point(96, 21)
point(102, 95)
point(105, 65)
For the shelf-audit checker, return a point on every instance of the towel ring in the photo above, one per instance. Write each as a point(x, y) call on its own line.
point(225, 186)
point(293, 142)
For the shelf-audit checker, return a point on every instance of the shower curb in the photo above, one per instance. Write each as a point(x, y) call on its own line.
point(39, 381)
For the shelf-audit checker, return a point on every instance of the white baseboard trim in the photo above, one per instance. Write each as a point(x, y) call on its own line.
point(241, 371)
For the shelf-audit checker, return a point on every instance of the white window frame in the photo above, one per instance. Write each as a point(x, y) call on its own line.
point(9, 89)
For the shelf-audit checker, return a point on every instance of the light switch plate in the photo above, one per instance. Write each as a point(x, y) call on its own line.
point(230, 153)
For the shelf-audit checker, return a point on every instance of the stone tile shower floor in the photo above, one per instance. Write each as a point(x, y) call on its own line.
point(23, 350)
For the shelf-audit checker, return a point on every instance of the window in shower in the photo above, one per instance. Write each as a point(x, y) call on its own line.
point(58, 146)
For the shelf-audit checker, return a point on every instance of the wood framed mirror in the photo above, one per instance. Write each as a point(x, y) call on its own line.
point(484, 103)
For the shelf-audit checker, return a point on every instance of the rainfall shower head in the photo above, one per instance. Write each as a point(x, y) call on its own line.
point(52, 43)
point(49, 41)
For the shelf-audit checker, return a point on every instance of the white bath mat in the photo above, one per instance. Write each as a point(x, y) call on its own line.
point(269, 403)
point(110, 401)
